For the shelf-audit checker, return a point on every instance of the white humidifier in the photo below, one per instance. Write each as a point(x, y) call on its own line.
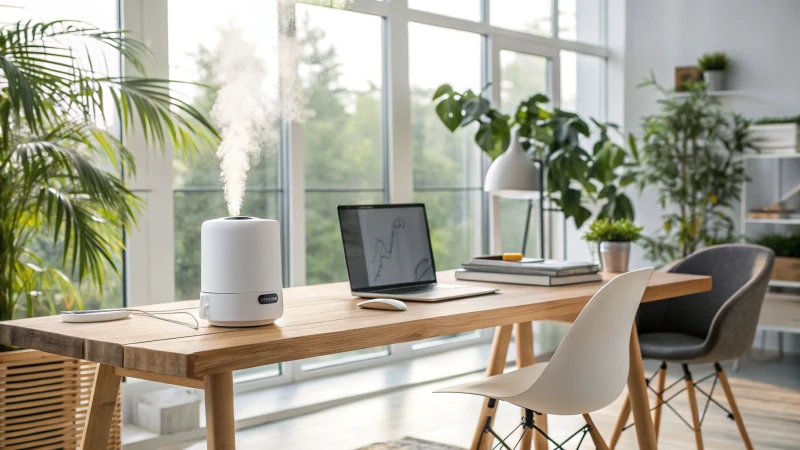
point(240, 272)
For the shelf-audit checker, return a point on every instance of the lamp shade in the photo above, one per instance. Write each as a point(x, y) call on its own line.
point(513, 174)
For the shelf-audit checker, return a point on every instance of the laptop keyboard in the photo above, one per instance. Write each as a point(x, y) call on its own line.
point(409, 290)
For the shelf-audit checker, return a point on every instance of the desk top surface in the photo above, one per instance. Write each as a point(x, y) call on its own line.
point(318, 320)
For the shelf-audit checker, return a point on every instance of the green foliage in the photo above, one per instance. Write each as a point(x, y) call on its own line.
point(691, 155)
point(60, 169)
point(714, 61)
point(575, 177)
point(782, 245)
point(606, 230)
point(777, 120)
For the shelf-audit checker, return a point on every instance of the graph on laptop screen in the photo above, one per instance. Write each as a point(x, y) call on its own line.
point(387, 246)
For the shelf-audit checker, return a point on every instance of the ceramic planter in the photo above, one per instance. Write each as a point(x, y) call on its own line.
point(715, 80)
point(615, 256)
point(44, 401)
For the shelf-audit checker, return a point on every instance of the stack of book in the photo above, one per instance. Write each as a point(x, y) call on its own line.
point(537, 272)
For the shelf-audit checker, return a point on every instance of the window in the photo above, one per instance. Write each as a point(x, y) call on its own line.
point(522, 75)
point(195, 46)
point(447, 166)
point(583, 81)
point(344, 148)
point(341, 72)
point(362, 88)
point(530, 16)
point(196, 42)
point(581, 20)
point(461, 9)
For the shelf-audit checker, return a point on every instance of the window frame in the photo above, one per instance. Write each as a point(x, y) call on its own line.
point(149, 263)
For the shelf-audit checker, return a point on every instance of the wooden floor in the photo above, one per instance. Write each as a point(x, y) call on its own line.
point(768, 394)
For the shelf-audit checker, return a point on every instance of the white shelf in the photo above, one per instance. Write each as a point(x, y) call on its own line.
point(784, 284)
point(775, 221)
point(767, 155)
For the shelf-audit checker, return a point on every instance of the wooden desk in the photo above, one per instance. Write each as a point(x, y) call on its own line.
point(318, 320)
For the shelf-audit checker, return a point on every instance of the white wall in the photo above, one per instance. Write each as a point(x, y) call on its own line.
point(761, 37)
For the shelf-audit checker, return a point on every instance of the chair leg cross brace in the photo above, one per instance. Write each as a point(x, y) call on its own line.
point(687, 378)
point(528, 425)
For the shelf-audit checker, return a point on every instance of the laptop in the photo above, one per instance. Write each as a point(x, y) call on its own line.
point(388, 253)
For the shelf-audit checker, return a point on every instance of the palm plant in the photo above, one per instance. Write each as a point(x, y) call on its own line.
point(61, 169)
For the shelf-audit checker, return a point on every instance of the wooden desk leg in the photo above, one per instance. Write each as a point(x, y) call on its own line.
point(497, 364)
point(637, 390)
point(523, 334)
point(101, 408)
point(220, 424)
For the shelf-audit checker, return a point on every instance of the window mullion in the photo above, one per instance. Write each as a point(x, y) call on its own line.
point(150, 255)
point(401, 179)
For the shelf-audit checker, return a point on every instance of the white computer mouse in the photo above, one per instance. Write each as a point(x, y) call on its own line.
point(384, 303)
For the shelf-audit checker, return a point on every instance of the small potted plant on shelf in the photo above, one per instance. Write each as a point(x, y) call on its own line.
point(787, 255)
point(714, 65)
point(614, 238)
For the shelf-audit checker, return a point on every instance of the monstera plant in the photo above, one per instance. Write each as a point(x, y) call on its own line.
point(61, 168)
point(576, 177)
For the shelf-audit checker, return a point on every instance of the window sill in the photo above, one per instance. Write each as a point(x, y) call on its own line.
point(286, 401)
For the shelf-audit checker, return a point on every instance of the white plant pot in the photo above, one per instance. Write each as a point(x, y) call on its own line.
point(715, 80)
point(615, 256)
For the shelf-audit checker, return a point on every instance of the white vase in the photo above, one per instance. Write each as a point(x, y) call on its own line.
point(715, 80)
point(615, 256)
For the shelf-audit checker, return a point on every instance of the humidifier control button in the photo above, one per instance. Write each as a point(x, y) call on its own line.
point(266, 299)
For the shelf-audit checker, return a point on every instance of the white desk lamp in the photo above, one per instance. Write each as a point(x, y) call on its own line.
point(515, 175)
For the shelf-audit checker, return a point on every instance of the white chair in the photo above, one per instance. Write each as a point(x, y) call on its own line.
point(588, 370)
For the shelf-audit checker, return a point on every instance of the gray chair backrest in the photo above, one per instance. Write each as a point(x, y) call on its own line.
point(727, 316)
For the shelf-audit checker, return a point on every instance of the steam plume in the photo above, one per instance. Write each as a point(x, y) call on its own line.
point(247, 108)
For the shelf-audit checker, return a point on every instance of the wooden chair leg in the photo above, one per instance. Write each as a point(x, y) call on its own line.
point(497, 364)
point(101, 408)
point(662, 378)
point(737, 416)
point(597, 438)
point(220, 423)
point(621, 421)
point(698, 435)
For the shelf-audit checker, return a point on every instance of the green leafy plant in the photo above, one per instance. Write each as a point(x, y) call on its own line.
point(60, 168)
point(691, 155)
point(782, 245)
point(607, 230)
point(714, 61)
point(575, 177)
point(776, 120)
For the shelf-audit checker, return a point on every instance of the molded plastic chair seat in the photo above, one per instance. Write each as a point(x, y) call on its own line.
point(505, 386)
point(589, 369)
point(672, 346)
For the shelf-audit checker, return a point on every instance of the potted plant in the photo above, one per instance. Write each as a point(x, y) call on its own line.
point(614, 239)
point(575, 177)
point(714, 66)
point(787, 255)
point(690, 155)
point(61, 182)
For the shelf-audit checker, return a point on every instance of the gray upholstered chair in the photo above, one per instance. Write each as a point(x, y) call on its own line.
point(705, 328)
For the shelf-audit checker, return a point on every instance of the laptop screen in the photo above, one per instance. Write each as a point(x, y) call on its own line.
point(386, 246)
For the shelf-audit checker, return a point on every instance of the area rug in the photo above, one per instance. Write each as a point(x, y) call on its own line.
point(409, 443)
